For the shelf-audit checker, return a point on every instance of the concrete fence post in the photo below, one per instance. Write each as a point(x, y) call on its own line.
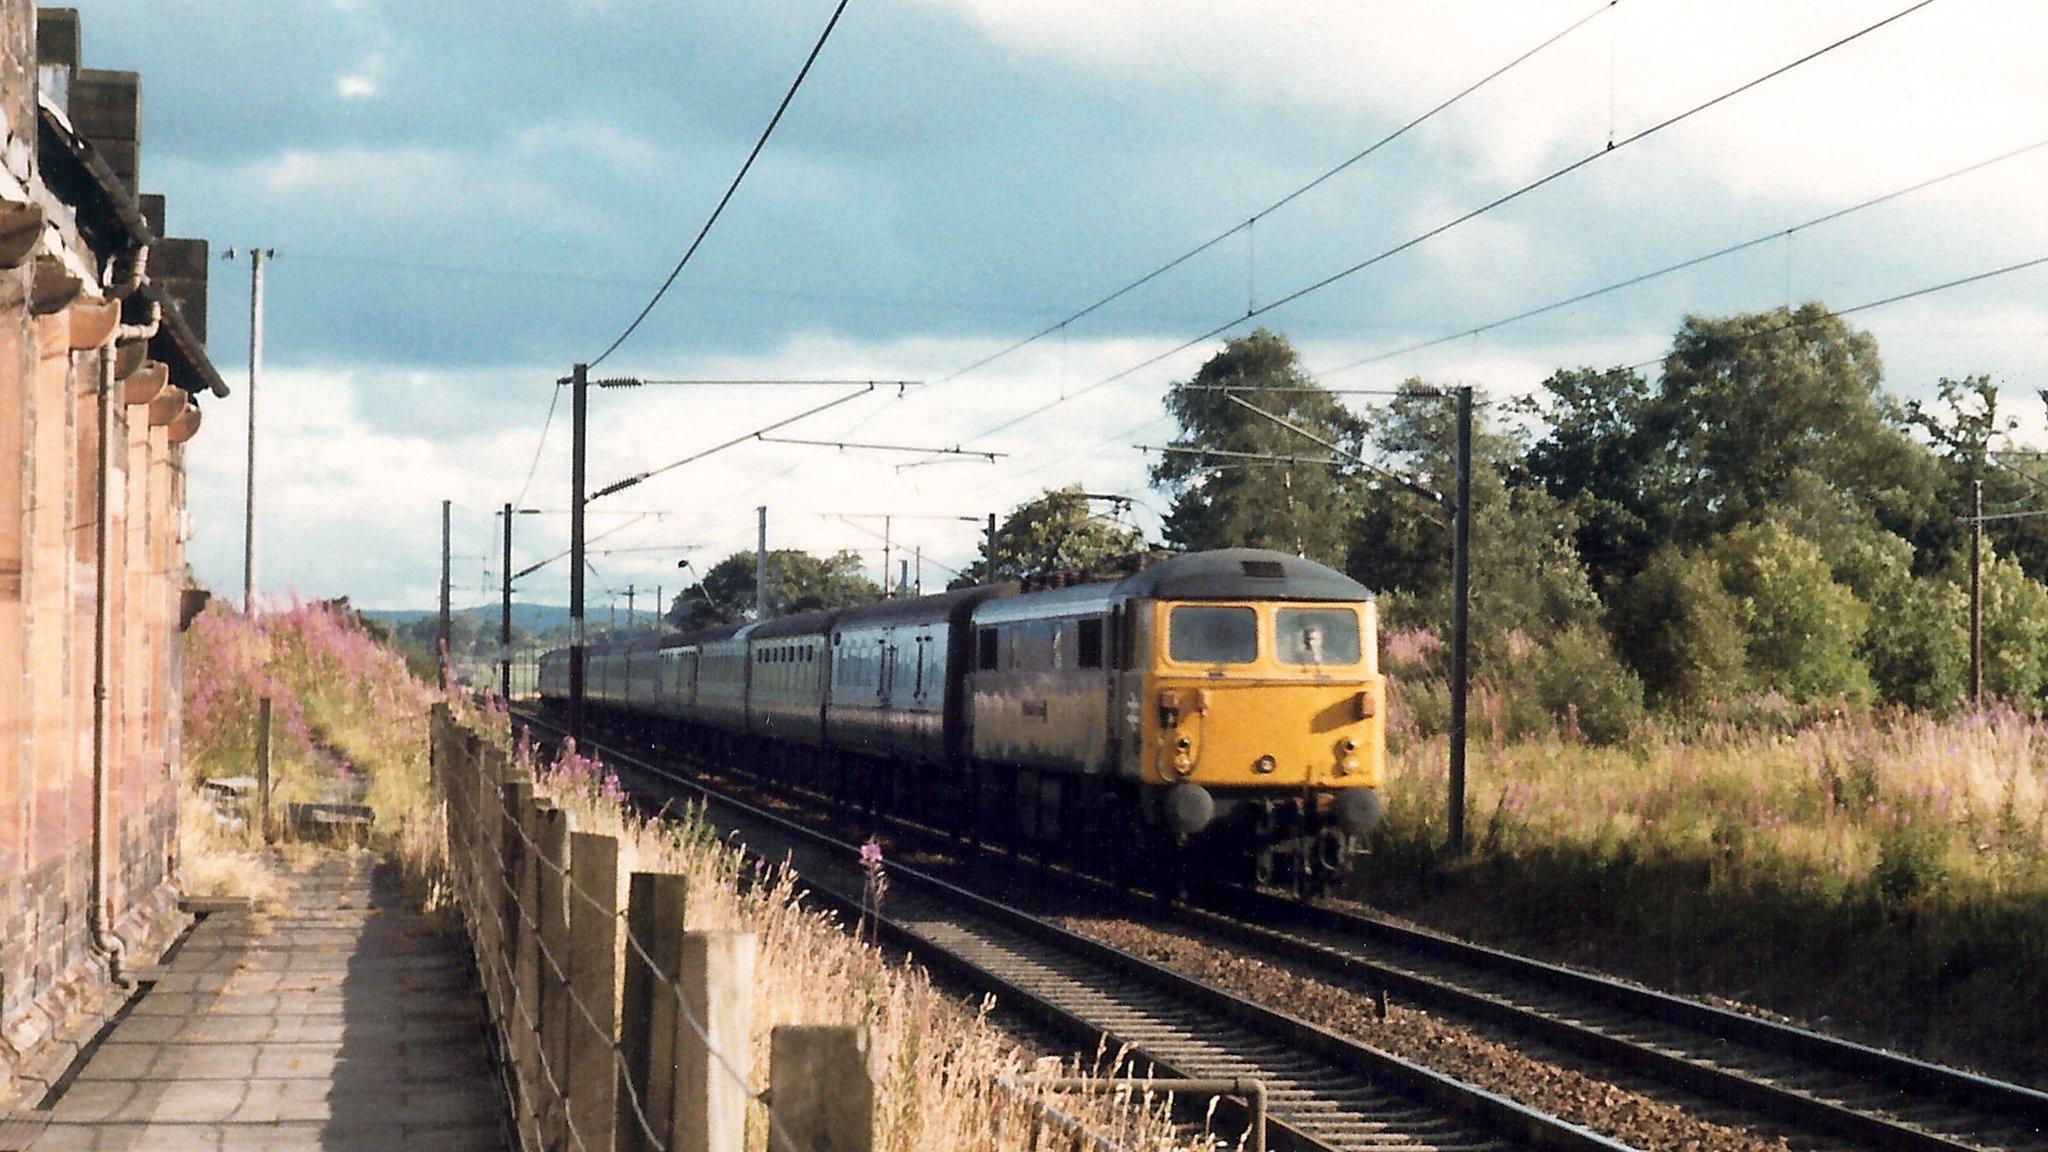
point(821, 1088)
point(553, 966)
point(594, 977)
point(713, 1042)
point(655, 907)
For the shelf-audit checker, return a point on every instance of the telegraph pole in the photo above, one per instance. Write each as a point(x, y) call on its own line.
point(630, 590)
point(443, 636)
point(886, 520)
point(760, 563)
point(579, 396)
point(256, 258)
point(1977, 593)
point(991, 548)
point(1461, 610)
point(505, 615)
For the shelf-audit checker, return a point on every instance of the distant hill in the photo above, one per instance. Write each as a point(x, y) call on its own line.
point(534, 618)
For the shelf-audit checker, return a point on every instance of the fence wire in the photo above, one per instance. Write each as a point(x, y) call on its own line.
point(451, 744)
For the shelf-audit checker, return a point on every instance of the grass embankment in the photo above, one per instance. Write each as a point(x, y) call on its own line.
point(349, 716)
point(348, 723)
point(1886, 873)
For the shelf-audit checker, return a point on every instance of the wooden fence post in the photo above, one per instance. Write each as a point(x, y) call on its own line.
point(655, 906)
point(821, 1089)
point(714, 1039)
point(594, 976)
point(519, 948)
point(263, 768)
point(550, 873)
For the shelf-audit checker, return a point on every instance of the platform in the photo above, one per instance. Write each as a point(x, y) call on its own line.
point(343, 1021)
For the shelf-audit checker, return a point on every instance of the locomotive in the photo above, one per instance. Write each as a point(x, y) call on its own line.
point(1220, 712)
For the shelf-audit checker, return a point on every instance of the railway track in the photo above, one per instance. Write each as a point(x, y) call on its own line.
point(1817, 1082)
point(1807, 1080)
point(1325, 1092)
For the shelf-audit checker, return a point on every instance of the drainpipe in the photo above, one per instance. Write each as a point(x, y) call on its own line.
point(104, 940)
point(138, 272)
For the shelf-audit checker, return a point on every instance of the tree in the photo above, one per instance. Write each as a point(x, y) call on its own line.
point(1964, 431)
point(1228, 502)
point(1526, 576)
point(1681, 631)
point(1059, 531)
point(797, 582)
point(1761, 412)
point(1597, 456)
point(1804, 628)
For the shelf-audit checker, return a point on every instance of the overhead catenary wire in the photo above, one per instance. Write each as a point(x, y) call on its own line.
point(1795, 321)
point(520, 500)
point(1252, 221)
point(732, 188)
point(1456, 221)
point(1682, 265)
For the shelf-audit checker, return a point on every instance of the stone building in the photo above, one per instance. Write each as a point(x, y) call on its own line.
point(102, 366)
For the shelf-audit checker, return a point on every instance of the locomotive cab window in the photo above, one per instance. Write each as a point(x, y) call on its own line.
point(1197, 634)
point(987, 651)
point(1316, 636)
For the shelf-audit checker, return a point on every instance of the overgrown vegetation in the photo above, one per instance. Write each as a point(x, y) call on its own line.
point(939, 1060)
point(348, 725)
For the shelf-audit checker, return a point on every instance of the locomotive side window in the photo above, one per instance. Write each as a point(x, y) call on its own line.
point(1317, 636)
point(1206, 635)
point(1089, 650)
point(986, 650)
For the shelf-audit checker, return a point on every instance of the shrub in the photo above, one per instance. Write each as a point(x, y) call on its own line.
point(1580, 682)
point(1804, 629)
point(1681, 631)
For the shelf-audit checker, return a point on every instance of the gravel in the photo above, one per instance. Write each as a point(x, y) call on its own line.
point(1644, 1116)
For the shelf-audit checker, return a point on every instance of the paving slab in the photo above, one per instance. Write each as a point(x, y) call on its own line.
point(343, 1021)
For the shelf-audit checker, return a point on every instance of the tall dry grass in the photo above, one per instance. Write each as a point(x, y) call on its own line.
point(1883, 869)
point(940, 1060)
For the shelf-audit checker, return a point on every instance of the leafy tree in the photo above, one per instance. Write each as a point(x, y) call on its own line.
point(797, 582)
point(1964, 431)
point(2015, 631)
point(1598, 456)
point(1762, 411)
point(1681, 630)
point(1059, 531)
point(1805, 629)
point(1225, 501)
point(1526, 576)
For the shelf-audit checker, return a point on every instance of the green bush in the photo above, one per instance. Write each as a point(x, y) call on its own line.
point(1804, 629)
point(1580, 680)
point(1681, 631)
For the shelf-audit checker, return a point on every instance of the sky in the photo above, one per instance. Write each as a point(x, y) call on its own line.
point(466, 198)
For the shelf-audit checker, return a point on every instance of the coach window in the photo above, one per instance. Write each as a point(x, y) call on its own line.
point(1089, 653)
point(986, 650)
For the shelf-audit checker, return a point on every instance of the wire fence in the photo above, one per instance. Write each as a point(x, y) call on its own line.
point(619, 1030)
point(617, 1027)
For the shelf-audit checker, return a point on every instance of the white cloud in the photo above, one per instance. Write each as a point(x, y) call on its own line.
point(356, 87)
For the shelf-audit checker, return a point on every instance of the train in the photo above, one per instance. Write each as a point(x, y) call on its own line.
point(1219, 713)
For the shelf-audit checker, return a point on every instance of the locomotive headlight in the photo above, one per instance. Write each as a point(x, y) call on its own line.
point(1264, 765)
point(1183, 763)
point(1347, 765)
